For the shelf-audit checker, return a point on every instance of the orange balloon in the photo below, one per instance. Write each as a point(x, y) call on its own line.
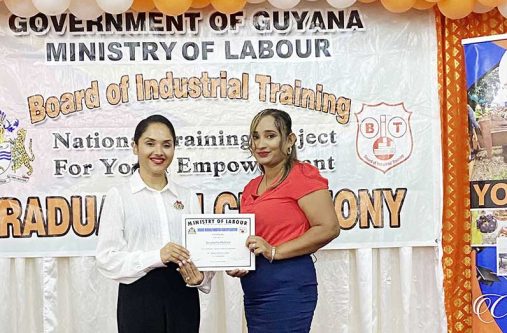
point(172, 7)
point(367, 1)
point(423, 4)
point(200, 3)
point(142, 5)
point(433, 1)
point(228, 6)
point(398, 6)
point(490, 3)
point(456, 9)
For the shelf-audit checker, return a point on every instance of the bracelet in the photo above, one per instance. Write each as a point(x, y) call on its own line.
point(273, 251)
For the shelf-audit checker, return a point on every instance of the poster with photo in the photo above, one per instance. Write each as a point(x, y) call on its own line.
point(488, 226)
point(486, 112)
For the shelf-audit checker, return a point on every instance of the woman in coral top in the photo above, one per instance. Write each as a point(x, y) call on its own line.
point(294, 217)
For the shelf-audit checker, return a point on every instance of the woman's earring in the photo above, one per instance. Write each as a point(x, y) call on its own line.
point(289, 150)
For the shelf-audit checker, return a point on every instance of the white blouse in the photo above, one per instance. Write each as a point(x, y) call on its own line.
point(136, 222)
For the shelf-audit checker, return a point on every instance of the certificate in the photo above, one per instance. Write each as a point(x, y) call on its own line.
point(217, 242)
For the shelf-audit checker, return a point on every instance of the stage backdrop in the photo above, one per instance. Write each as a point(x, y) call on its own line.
point(362, 96)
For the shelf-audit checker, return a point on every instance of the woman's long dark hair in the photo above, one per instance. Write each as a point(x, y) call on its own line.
point(283, 124)
point(143, 125)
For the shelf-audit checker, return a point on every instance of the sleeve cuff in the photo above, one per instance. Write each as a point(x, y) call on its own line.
point(205, 285)
point(151, 260)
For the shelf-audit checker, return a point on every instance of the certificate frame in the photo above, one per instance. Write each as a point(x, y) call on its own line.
point(216, 242)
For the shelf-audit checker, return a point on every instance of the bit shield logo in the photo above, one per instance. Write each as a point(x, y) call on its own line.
point(384, 136)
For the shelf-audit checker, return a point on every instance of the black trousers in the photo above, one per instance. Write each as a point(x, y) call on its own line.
point(159, 302)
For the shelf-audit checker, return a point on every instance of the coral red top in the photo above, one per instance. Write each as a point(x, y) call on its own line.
point(278, 217)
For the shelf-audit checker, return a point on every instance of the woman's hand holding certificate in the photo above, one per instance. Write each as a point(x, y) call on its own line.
point(217, 241)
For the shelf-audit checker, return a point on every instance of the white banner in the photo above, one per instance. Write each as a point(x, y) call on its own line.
point(361, 90)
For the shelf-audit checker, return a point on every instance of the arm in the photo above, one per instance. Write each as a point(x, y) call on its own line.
point(195, 278)
point(191, 274)
point(113, 259)
point(205, 285)
point(324, 227)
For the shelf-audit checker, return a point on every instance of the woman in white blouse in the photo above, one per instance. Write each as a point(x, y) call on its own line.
point(139, 237)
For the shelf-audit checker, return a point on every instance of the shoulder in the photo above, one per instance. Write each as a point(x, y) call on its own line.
point(183, 192)
point(119, 190)
point(186, 196)
point(114, 200)
point(123, 190)
point(114, 191)
point(118, 194)
point(306, 171)
point(303, 179)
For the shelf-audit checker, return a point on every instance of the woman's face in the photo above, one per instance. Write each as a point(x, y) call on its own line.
point(267, 148)
point(155, 149)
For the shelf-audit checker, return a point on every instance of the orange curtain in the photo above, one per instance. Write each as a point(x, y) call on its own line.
point(456, 224)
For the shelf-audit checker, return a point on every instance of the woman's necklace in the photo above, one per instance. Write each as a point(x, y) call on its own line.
point(275, 179)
